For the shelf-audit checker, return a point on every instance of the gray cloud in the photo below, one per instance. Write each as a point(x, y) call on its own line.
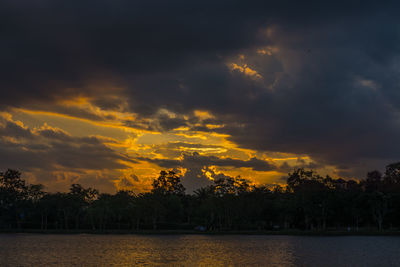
point(174, 149)
point(199, 161)
point(194, 179)
point(52, 149)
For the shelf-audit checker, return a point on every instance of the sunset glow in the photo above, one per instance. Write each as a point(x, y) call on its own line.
point(100, 98)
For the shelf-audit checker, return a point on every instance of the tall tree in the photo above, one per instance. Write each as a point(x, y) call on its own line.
point(168, 183)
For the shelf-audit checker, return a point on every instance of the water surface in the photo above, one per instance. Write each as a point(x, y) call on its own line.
point(197, 250)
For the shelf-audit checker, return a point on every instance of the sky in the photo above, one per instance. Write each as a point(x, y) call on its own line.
point(108, 93)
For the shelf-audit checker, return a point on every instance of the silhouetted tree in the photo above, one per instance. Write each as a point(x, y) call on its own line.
point(308, 201)
point(168, 183)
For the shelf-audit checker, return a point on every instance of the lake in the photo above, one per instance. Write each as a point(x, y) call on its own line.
point(197, 250)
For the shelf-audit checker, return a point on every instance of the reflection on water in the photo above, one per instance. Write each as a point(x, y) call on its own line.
point(196, 250)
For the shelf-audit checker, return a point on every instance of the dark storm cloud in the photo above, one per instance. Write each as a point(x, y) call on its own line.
point(330, 90)
point(199, 161)
point(51, 49)
point(341, 106)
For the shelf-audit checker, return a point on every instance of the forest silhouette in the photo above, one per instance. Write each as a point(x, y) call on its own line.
point(308, 201)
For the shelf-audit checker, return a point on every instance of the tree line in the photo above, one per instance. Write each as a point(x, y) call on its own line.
point(308, 201)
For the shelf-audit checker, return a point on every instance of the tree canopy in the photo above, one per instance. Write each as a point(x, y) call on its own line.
point(307, 201)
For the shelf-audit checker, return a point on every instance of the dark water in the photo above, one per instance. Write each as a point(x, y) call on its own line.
point(196, 250)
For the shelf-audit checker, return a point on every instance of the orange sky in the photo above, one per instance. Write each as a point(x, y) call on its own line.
point(138, 144)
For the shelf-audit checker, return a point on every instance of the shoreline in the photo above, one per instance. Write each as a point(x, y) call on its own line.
point(193, 232)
